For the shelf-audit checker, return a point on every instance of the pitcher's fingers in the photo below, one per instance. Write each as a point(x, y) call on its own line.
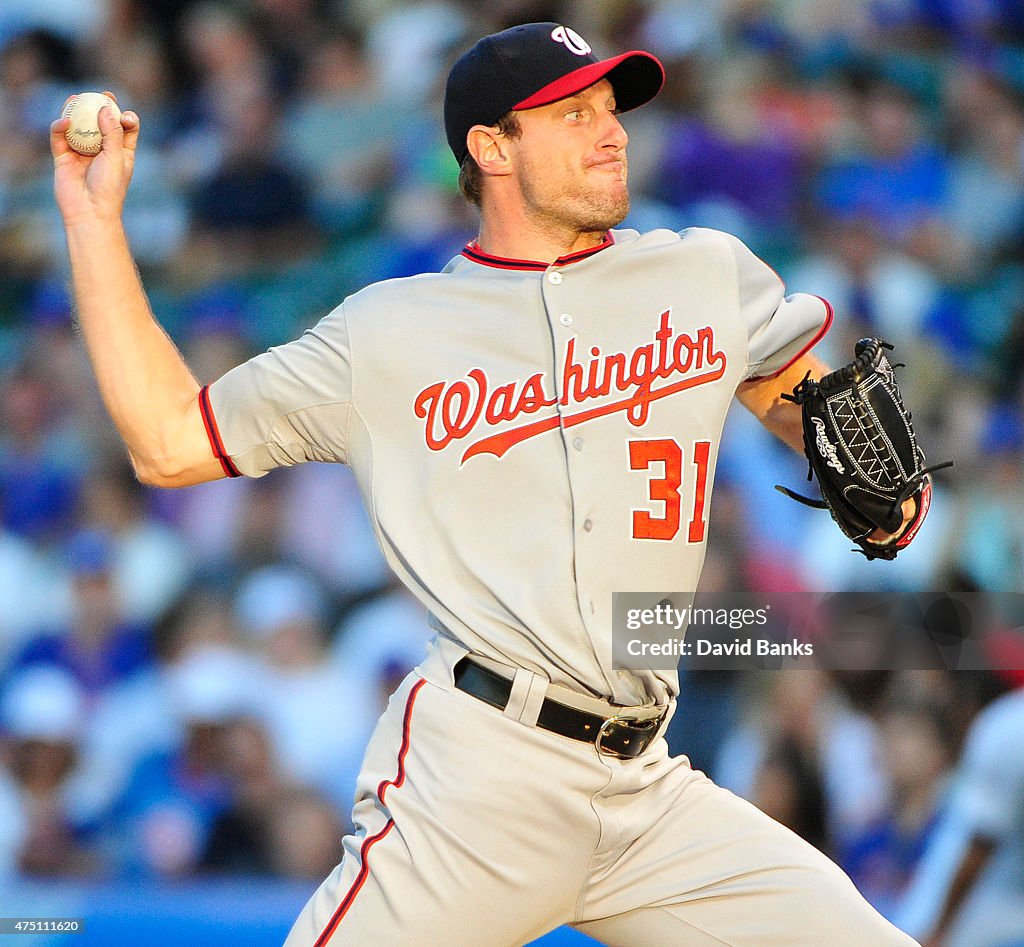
point(130, 124)
point(110, 94)
point(58, 138)
point(111, 129)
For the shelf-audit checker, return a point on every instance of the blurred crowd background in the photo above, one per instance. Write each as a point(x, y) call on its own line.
point(187, 678)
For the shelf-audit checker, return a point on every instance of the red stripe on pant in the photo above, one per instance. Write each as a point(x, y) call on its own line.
point(371, 840)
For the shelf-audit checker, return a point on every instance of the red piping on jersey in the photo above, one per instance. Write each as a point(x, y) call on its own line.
point(819, 335)
point(406, 721)
point(213, 433)
point(473, 252)
point(371, 840)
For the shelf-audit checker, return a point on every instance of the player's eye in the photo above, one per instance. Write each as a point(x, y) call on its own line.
point(574, 115)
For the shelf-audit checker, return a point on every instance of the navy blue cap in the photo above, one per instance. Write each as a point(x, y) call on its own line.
point(532, 65)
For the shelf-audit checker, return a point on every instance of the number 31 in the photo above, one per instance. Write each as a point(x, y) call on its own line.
point(666, 489)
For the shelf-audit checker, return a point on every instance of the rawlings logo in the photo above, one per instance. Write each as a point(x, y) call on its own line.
point(453, 410)
point(826, 448)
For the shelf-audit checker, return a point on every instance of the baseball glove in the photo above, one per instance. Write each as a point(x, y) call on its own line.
point(861, 445)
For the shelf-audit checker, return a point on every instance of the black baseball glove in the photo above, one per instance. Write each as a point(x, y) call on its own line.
point(861, 445)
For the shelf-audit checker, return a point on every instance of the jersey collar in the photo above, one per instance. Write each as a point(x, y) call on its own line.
point(473, 252)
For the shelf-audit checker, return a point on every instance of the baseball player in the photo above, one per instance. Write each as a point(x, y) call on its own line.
point(532, 429)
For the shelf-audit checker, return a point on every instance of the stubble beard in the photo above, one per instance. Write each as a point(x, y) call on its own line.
point(581, 209)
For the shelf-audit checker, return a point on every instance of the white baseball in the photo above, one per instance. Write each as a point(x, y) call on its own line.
point(83, 133)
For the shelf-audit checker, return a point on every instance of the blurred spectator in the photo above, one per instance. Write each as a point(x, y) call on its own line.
point(985, 203)
point(271, 826)
point(305, 836)
point(918, 749)
point(150, 563)
point(897, 178)
point(318, 720)
point(215, 326)
point(968, 890)
point(137, 717)
point(408, 43)
point(989, 548)
point(98, 647)
point(810, 713)
point(790, 789)
point(879, 289)
point(42, 716)
point(239, 839)
point(386, 635)
point(341, 132)
point(723, 160)
point(36, 64)
point(249, 198)
point(340, 543)
point(39, 478)
point(75, 20)
point(13, 824)
point(208, 517)
point(29, 593)
point(235, 526)
point(162, 821)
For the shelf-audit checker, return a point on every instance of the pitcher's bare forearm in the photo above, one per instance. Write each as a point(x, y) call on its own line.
point(151, 395)
point(763, 397)
point(147, 388)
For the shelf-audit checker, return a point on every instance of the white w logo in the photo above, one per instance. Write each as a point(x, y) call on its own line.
point(571, 40)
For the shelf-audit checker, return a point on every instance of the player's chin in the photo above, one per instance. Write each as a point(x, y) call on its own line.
point(614, 215)
point(604, 210)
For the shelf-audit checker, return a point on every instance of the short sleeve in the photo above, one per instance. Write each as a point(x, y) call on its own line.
point(287, 406)
point(780, 328)
point(990, 794)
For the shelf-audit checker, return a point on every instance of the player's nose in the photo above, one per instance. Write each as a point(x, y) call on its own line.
point(613, 135)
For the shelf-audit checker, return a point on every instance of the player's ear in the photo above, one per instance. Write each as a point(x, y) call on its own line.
point(489, 149)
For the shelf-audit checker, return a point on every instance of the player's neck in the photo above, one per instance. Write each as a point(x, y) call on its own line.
point(531, 240)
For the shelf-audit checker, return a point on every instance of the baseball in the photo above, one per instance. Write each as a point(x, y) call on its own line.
point(83, 133)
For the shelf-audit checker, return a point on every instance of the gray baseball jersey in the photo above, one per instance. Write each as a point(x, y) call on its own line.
point(530, 438)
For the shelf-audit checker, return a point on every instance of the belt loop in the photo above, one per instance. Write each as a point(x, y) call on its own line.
point(534, 698)
point(524, 702)
point(520, 690)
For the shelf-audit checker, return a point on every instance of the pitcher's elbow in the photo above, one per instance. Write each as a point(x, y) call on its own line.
point(156, 473)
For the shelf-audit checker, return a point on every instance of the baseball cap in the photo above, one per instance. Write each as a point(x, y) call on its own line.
point(43, 703)
point(277, 595)
point(532, 65)
point(215, 684)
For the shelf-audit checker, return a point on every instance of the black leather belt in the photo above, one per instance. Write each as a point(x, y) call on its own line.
point(614, 736)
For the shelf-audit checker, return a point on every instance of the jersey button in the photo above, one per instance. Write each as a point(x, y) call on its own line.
point(565, 319)
point(578, 443)
point(587, 526)
point(554, 278)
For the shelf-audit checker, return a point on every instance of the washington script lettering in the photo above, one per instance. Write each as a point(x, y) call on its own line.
point(453, 410)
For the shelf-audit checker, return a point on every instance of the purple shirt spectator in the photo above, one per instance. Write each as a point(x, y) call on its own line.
point(702, 164)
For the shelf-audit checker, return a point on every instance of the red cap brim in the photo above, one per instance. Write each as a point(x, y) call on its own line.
point(636, 76)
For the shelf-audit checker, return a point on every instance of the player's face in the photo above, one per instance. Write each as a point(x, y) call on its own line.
point(571, 161)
